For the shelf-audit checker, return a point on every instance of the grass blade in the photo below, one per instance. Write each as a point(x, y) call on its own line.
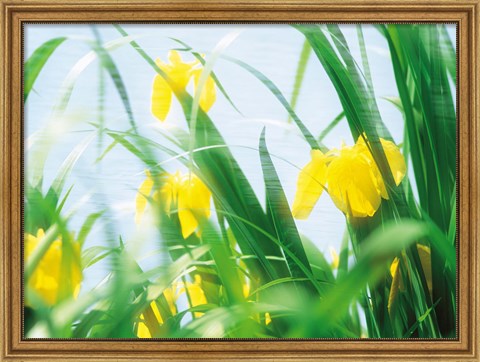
point(300, 74)
point(36, 62)
point(279, 210)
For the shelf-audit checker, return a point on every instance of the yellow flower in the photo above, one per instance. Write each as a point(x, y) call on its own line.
point(45, 280)
point(354, 181)
point(180, 74)
point(186, 195)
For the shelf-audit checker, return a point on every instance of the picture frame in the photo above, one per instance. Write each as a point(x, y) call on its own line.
point(464, 13)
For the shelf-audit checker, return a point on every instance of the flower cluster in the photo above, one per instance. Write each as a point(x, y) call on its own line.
point(350, 176)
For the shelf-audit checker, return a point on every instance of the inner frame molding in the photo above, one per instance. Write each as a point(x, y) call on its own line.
point(465, 14)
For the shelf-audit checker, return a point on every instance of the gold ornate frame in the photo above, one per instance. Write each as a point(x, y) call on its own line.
point(465, 13)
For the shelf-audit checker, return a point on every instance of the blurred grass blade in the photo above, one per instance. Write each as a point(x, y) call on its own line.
point(226, 268)
point(226, 41)
point(59, 124)
point(110, 66)
point(36, 62)
point(300, 74)
point(87, 226)
point(331, 126)
point(79, 67)
point(69, 162)
point(366, 66)
point(449, 54)
point(94, 254)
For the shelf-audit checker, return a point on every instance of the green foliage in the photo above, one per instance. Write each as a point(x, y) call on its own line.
point(251, 273)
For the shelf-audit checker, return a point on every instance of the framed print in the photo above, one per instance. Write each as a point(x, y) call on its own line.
point(239, 180)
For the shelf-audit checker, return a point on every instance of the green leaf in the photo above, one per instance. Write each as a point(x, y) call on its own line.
point(278, 208)
point(300, 74)
point(87, 226)
point(110, 66)
point(69, 162)
point(94, 254)
point(36, 62)
point(226, 268)
point(331, 126)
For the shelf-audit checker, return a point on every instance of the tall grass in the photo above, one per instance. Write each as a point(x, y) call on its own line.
point(247, 271)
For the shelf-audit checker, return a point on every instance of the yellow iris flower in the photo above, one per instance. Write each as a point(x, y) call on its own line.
point(354, 181)
point(186, 195)
point(180, 73)
point(196, 297)
point(45, 280)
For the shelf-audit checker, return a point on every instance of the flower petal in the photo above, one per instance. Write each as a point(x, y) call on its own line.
point(426, 261)
point(196, 294)
point(310, 184)
point(158, 316)
point(179, 71)
point(141, 201)
point(397, 284)
point(397, 280)
point(174, 58)
point(268, 319)
point(45, 280)
point(208, 94)
point(188, 222)
point(395, 159)
point(335, 258)
point(161, 98)
point(198, 197)
point(171, 298)
point(142, 330)
point(352, 184)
